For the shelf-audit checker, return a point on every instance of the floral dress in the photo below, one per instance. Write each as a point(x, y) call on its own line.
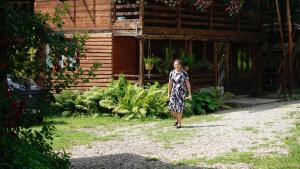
point(176, 103)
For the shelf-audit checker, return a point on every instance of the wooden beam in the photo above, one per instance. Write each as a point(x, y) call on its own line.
point(280, 27)
point(141, 60)
point(204, 35)
point(216, 63)
point(290, 46)
point(142, 14)
point(227, 68)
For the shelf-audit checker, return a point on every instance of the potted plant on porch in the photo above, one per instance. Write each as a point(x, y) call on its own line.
point(150, 61)
point(187, 60)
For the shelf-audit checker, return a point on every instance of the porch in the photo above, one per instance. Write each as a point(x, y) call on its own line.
point(233, 65)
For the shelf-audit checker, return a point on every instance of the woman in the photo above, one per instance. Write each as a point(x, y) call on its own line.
point(178, 84)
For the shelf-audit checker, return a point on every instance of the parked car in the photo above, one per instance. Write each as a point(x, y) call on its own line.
point(27, 98)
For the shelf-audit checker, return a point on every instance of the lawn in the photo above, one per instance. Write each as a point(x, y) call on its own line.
point(71, 131)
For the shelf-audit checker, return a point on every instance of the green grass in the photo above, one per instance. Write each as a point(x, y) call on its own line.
point(65, 139)
point(68, 133)
point(190, 120)
point(251, 129)
point(168, 136)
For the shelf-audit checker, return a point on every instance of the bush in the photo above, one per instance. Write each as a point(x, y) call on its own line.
point(206, 101)
point(31, 149)
point(126, 99)
point(65, 101)
point(88, 103)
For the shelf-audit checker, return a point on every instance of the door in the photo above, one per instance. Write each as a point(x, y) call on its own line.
point(241, 68)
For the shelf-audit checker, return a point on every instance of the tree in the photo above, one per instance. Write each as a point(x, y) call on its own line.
point(23, 37)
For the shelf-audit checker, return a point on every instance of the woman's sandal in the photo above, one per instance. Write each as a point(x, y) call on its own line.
point(178, 126)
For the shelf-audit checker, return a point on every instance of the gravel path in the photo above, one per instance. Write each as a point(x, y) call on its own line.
point(242, 130)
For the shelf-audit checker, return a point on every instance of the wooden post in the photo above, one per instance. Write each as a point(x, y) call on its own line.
point(141, 60)
point(227, 66)
point(190, 47)
point(290, 47)
point(216, 63)
point(282, 67)
point(141, 14)
point(280, 27)
point(114, 12)
point(178, 16)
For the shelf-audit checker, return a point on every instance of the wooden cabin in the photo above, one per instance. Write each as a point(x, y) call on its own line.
point(122, 34)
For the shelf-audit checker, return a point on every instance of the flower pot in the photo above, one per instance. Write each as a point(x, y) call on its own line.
point(149, 67)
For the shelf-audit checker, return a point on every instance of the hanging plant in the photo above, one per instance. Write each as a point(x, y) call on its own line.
point(202, 5)
point(170, 3)
point(233, 7)
point(150, 61)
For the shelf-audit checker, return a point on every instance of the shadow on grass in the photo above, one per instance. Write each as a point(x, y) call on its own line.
point(60, 122)
point(125, 161)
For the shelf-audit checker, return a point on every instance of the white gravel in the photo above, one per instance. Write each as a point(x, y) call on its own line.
point(240, 130)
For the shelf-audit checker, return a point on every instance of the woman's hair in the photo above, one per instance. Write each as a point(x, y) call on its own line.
point(179, 61)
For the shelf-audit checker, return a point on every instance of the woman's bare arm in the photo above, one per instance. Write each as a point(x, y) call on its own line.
point(188, 84)
point(169, 88)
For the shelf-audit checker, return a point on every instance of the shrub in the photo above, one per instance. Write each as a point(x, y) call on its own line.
point(125, 99)
point(65, 101)
point(31, 149)
point(88, 102)
point(134, 101)
point(205, 101)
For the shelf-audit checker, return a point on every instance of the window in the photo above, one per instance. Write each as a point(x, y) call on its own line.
point(244, 60)
point(69, 62)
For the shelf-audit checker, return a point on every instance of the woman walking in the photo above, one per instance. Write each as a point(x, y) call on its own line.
point(178, 85)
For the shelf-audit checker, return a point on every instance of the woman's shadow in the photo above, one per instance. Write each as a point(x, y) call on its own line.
point(126, 161)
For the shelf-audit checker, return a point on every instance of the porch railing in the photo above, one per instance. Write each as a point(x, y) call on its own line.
point(180, 17)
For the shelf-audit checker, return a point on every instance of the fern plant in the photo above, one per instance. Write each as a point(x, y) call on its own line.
point(135, 101)
point(88, 102)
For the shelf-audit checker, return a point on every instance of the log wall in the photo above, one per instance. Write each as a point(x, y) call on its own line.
point(99, 50)
point(82, 14)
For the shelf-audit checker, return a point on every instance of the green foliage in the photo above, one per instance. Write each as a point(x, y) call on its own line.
point(134, 101)
point(65, 101)
point(204, 101)
point(203, 64)
point(125, 99)
point(24, 35)
point(31, 149)
point(88, 102)
point(188, 60)
point(152, 60)
point(167, 63)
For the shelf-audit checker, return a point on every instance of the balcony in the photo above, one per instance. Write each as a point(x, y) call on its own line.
point(155, 19)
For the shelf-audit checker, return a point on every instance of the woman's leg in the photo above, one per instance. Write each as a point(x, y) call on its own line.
point(174, 114)
point(179, 117)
